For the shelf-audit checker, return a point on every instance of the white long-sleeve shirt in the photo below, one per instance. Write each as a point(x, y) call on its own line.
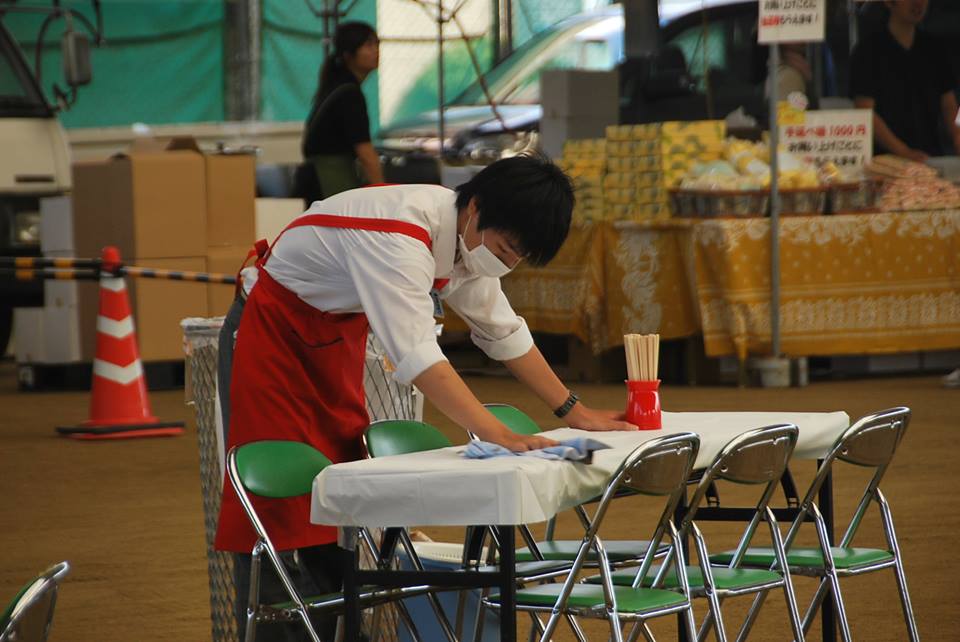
point(388, 276)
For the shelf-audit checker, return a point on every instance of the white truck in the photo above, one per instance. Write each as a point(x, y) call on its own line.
point(34, 157)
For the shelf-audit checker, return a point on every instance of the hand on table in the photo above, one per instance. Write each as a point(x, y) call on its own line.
point(586, 418)
point(522, 443)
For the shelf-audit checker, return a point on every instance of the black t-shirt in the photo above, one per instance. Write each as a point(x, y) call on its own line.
point(906, 85)
point(338, 120)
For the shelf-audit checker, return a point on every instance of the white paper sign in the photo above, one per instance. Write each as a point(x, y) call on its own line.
point(791, 21)
point(843, 136)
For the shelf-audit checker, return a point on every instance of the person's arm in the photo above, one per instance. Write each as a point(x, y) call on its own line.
point(885, 135)
point(948, 103)
point(533, 371)
point(392, 277)
point(369, 162)
point(441, 384)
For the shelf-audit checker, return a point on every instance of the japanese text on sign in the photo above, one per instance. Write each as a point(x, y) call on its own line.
point(791, 21)
point(841, 136)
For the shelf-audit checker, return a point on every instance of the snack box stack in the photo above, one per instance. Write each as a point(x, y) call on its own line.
point(585, 161)
point(684, 143)
point(633, 185)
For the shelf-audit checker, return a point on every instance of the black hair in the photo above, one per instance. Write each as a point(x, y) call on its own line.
point(528, 198)
point(349, 37)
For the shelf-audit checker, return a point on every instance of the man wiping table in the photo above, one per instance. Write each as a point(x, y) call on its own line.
point(382, 258)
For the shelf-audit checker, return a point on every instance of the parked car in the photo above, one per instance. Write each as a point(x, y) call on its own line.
point(709, 65)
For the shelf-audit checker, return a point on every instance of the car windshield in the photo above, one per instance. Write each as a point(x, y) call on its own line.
point(18, 93)
point(594, 44)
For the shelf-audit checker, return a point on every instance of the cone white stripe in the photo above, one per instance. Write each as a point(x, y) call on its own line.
point(112, 283)
point(116, 329)
point(118, 374)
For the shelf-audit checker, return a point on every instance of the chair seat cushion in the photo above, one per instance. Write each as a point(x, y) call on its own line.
point(585, 596)
point(843, 558)
point(725, 579)
point(617, 550)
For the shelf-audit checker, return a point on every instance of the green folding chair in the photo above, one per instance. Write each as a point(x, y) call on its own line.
point(659, 468)
point(29, 615)
point(619, 552)
point(869, 443)
point(756, 458)
point(278, 470)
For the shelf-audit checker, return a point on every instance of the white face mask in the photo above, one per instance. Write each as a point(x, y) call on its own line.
point(480, 260)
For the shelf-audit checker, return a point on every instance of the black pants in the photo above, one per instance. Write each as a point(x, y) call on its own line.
point(315, 570)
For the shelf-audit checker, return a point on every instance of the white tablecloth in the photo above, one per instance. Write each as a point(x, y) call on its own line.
point(440, 487)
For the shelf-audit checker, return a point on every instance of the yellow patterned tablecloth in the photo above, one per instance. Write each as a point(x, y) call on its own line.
point(647, 281)
point(850, 284)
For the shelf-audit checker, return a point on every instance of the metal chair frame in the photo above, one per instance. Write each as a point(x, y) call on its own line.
point(660, 467)
point(257, 612)
point(46, 585)
point(870, 442)
point(756, 457)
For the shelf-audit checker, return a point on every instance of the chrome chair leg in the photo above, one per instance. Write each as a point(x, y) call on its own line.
point(432, 597)
point(408, 622)
point(751, 615)
point(788, 592)
point(577, 630)
point(831, 571)
point(901, 576)
point(253, 595)
point(710, 588)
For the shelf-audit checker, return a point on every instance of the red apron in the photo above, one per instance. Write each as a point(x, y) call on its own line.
point(298, 375)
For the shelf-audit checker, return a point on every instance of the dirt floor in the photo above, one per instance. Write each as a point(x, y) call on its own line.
point(128, 515)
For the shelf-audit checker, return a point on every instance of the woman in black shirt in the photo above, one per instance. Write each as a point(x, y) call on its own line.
point(337, 134)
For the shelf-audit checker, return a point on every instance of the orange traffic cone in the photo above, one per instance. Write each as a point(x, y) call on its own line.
point(119, 407)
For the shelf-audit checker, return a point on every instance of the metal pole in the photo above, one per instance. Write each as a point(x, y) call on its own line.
point(852, 29)
point(774, 205)
point(440, 96)
point(641, 28)
point(503, 28)
point(242, 59)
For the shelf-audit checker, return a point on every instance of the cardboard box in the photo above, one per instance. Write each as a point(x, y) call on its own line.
point(56, 226)
point(231, 191)
point(46, 335)
point(157, 306)
point(223, 260)
point(274, 214)
point(149, 203)
point(28, 344)
point(576, 92)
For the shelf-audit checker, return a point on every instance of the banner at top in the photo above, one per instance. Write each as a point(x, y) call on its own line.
point(791, 21)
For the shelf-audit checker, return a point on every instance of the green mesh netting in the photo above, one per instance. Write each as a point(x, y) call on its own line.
point(162, 63)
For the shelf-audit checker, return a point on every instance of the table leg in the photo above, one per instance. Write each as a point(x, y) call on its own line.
point(351, 616)
point(508, 584)
point(825, 503)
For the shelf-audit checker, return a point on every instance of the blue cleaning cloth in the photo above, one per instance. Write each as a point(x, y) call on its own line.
point(578, 449)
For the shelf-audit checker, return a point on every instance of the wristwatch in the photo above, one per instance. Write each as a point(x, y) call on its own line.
point(567, 405)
